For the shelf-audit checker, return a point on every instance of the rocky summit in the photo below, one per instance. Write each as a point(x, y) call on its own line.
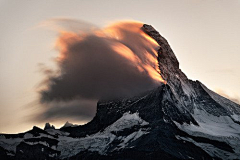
point(181, 119)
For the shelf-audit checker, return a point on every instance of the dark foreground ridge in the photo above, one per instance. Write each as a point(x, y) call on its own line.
point(181, 119)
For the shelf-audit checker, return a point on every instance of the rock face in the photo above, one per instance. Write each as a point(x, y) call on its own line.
point(184, 89)
point(181, 119)
point(48, 126)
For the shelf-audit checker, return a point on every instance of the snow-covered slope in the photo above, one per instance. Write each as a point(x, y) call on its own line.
point(101, 140)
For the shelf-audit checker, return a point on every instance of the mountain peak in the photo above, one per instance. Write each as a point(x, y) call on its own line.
point(68, 124)
point(48, 126)
point(167, 60)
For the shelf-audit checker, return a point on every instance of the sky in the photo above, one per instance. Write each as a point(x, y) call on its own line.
point(204, 35)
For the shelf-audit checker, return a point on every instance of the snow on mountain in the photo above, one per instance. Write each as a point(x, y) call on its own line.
point(221, 128)
point(10, 144)
point(100, 141)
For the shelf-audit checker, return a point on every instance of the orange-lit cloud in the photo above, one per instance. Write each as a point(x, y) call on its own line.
point(126, 39)
point(114, 62)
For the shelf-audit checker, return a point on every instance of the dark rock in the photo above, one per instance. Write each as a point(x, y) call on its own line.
point(35, 152)
point(48, 126)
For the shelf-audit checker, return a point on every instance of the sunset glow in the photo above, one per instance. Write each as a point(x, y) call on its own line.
point(143, 57)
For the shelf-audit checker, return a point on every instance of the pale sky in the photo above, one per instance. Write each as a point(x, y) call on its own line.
point(204, 35)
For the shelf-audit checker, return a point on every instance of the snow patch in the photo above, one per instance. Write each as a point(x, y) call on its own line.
point(221, 128)
point(55, 132)
point(128, 120)
point(132, 137)
point(10, 144)
point(40, 142)
point(236, 117)
point(100, 141)
point(28, 135)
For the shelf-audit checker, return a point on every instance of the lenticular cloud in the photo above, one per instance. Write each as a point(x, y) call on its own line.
point(117, 61)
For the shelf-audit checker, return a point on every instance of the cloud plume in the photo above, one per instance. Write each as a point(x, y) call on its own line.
point(77, 110)
point(114, 62)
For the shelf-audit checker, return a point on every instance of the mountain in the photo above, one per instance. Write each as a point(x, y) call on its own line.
point(48, 126)
point(181, 119)
point(68, 124)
